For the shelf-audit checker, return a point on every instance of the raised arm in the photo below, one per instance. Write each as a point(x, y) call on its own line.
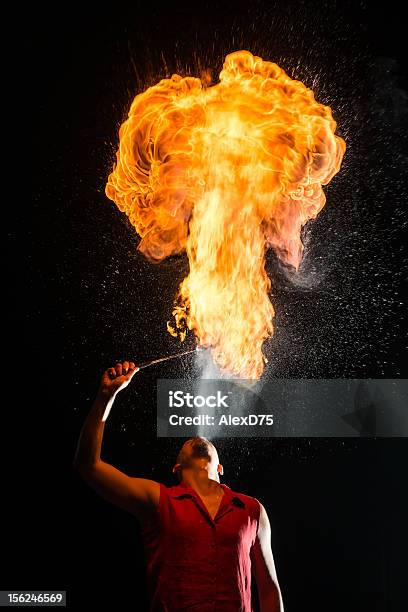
point(270, 597)
point(136, 495)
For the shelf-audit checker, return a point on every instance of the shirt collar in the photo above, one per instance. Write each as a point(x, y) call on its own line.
point(184, 490)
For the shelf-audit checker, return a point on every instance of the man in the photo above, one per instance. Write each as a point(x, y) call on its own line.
point(201, 538)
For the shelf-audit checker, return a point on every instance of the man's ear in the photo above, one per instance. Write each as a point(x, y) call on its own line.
point(220, 469)
point(176, 468)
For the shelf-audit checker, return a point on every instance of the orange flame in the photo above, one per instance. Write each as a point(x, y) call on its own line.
point(224, 172)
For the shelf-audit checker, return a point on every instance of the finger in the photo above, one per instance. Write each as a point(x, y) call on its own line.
point(131, 373)
point(131, 365)
point(125, 367)
point(118, 368)
point(111, 372)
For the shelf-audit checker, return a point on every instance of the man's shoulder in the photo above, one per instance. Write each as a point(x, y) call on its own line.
point(243, 497)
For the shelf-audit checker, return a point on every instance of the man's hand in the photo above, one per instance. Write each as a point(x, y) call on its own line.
point(117, 378)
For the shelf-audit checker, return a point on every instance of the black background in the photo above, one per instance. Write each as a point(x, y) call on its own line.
point(85, 298)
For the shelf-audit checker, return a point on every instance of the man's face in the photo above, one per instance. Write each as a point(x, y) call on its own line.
point(199, 454)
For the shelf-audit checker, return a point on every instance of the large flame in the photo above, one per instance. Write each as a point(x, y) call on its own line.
point(224, 172)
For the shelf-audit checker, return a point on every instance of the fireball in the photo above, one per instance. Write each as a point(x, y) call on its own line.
point(223, 173)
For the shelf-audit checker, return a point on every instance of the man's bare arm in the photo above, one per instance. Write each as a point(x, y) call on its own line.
point(136, 495)
point(270, 597)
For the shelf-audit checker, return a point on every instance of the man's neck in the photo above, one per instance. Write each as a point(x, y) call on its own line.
point(201, 482)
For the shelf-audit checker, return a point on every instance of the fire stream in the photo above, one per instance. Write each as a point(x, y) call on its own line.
point(225, 172)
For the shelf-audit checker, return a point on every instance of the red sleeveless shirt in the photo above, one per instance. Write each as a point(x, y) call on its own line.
point(196, 563)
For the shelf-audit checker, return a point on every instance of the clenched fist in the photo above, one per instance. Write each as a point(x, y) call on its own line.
point(117, 378)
